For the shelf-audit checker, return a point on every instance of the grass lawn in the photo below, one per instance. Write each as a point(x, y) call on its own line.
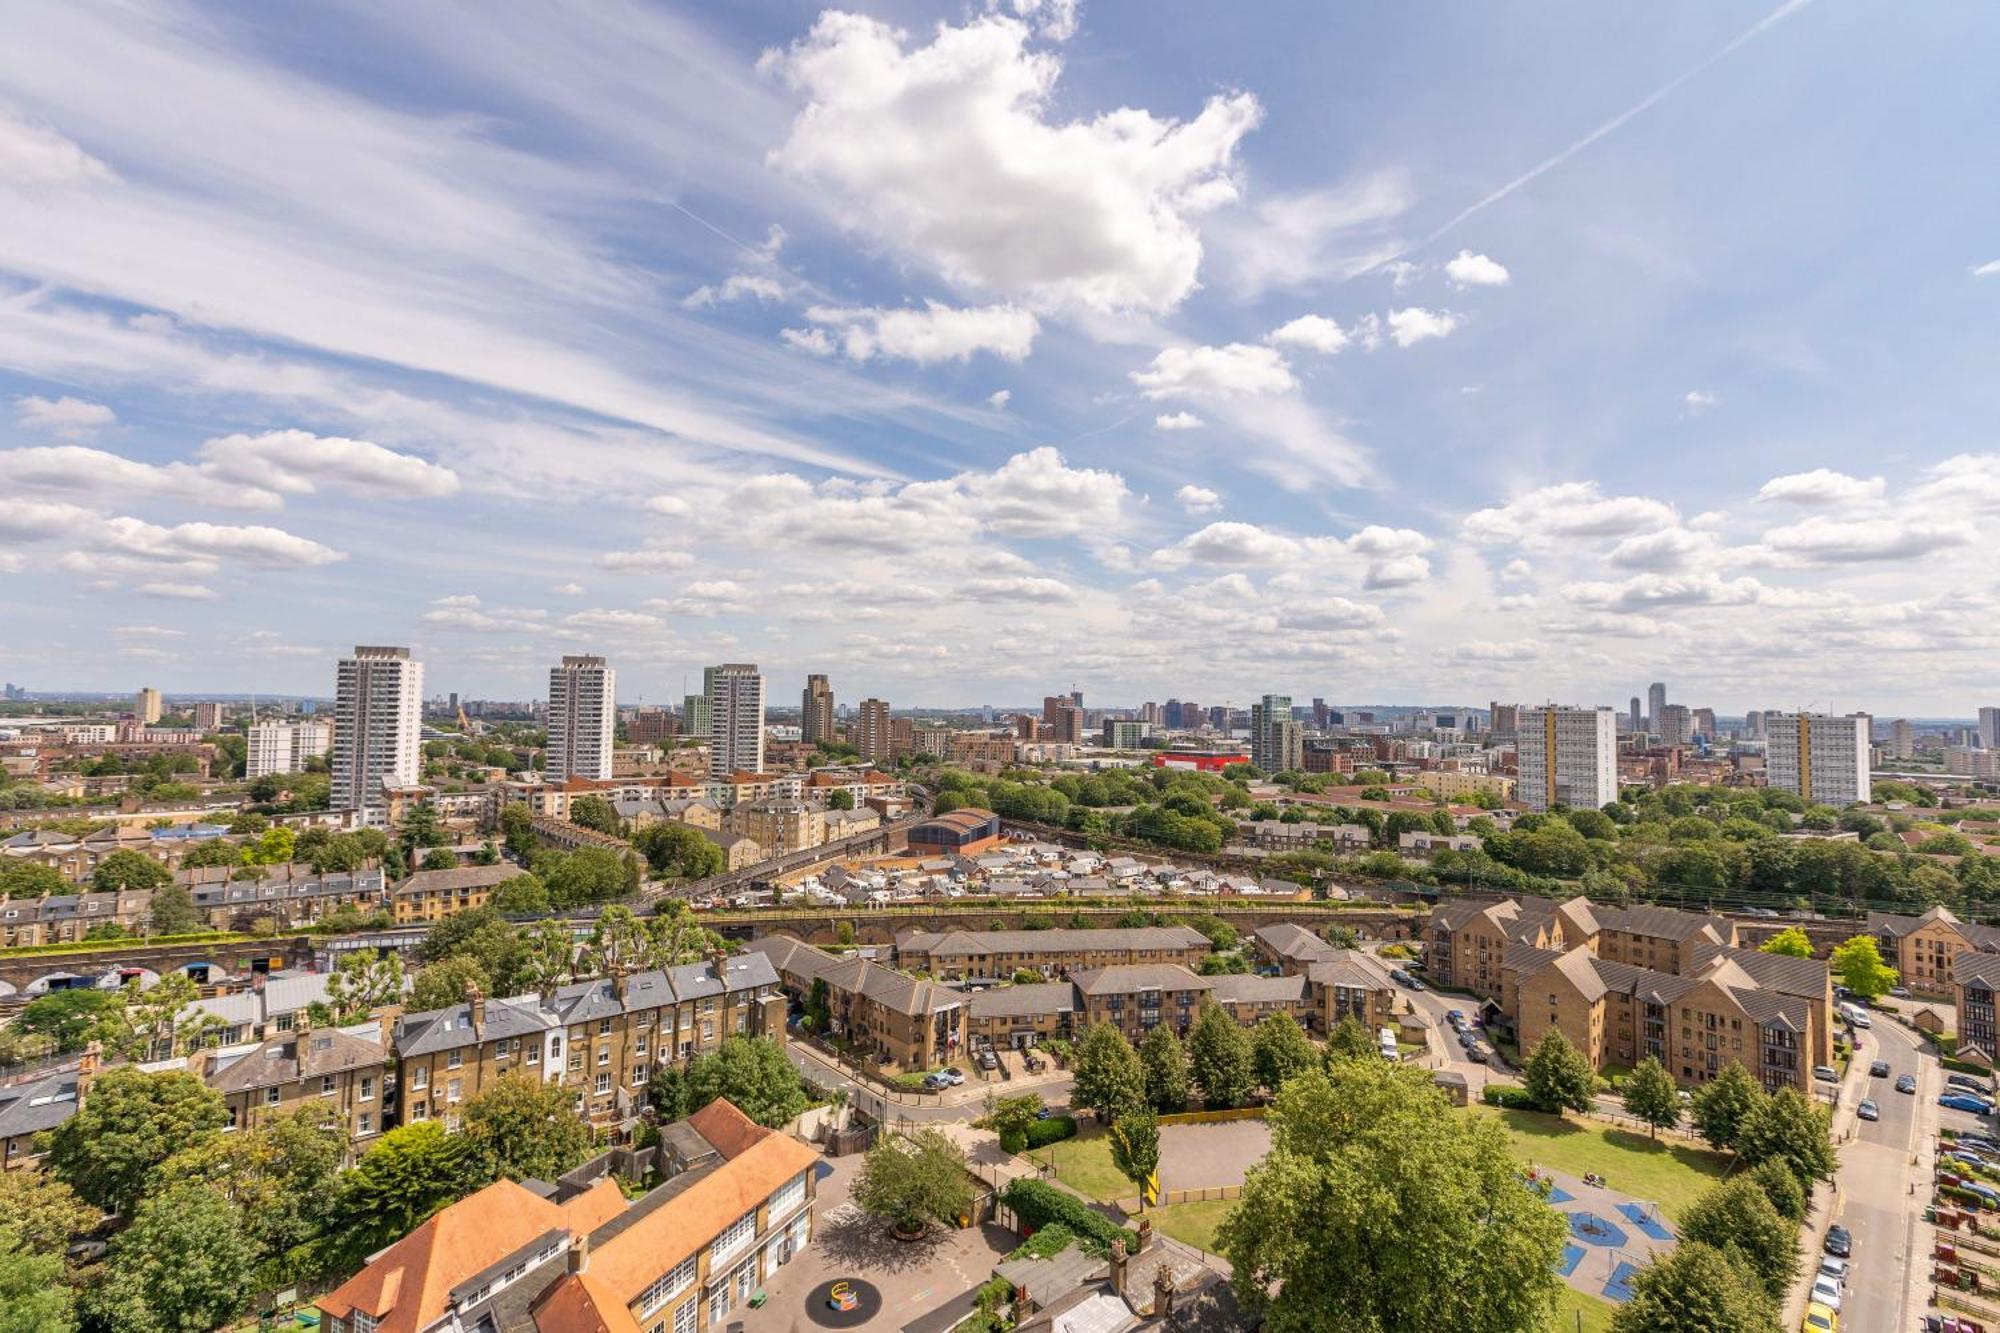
point(1192, 1223)
point(1596, 1314)
point(1671, 1173)
point(1084, 1164)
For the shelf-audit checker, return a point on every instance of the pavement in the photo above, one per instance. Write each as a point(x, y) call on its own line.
point(967, 1102)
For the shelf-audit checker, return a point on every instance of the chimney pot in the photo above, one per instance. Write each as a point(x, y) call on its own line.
point(1163, 1291)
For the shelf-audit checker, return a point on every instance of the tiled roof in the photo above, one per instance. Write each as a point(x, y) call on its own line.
point(1980, 968)
point(462, 877)
point(1662, 922)
point(1249, 988)
point(295, 1057)
point(1127, 978)
point(1060, 940)
point(1051, 997)
point(29, 1108)
point(1348, 967)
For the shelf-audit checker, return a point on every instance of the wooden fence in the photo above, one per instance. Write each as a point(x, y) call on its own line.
point(1214, 1117)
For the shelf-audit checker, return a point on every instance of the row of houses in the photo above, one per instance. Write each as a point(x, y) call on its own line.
point(76, 856)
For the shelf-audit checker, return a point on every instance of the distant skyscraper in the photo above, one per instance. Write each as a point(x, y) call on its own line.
point(694, 716)
point(735, 694)
point(816, 711)
point(1704, 723)
point(146, 706)
point(1506, 718)
point(1656, 699)
point(1902, 739)
point(1819, 756)
point(1638, 718)
point(1674, 724)
point(1568, 756)
point(1276, 742)
point(378, 705)
point(1753, 725)
point(873, 734)
point(207, 716)
point(1989, 728)
point(583, 695)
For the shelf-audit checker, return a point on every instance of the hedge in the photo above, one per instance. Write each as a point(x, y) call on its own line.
point(1507, 1097)
point(1038, 1205)
point(1041, 1133)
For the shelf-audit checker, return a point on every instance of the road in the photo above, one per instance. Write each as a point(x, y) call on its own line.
point(826, 1073)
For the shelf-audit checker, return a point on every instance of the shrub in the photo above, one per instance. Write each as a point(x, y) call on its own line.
point(1047, 1243)
point(1947, 1044)
point(1053, 1130)
point(1507, 1097)
point(1039, 1205)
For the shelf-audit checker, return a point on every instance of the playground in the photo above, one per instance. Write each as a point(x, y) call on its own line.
point(1611, 1235)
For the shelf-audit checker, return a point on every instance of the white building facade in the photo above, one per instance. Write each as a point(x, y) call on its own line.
point(377, 728)
point(583, 702)
point(1822, 757)
point(284, 747)
point(1568, 756)
point(734, 693)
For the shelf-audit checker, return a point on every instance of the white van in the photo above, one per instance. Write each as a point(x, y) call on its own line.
point(1386, 1039)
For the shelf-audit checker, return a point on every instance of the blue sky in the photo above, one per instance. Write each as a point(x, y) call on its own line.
point(1426, 351)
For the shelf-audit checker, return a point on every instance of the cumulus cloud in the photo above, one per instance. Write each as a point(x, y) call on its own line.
point(705, 597)
point(737, 287)
point(1488, 650)
point(1517, 570)
point(1331, 613)
point(568, 589)
point(1989, 269)
point(66, 416)
point(297, 462)
point(1198, 499)
point(1176, 421)
point(179, 592)
point(1698, 401)
point(1962, 481)
point(74, 469)
point(467, 613)
point(1018, 589)
point(1315, 333)
point(38, 157)
point(1198, 372)
point(999, 398)
point(1467, 269)
point(1056, 20)
point(1387, 557)
point(949, 151)
point(646, 558)
point(1824, 540)
point(607, 619)
point(935, 333)
point(1652, 592)
point(1416, 324)
point(1666, 550)
point(1822, 487)
point(1567, 510)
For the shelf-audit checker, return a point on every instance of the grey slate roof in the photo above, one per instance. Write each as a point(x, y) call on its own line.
point(1248, 988)
point(1051, 997)
point(294, 1057)
point(1127, 978)
point(1059, 940)
point(29, 1108)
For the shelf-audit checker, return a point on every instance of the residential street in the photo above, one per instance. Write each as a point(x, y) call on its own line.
point(965, 1103)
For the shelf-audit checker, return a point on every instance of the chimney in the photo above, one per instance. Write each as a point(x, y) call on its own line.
point(618, 982)
point(718, 958)
point(579, 1254)
point(86, 1070)
point(1163, 1291)
point(1118, 1266)
point(477, 1000)
point(1145, 1234)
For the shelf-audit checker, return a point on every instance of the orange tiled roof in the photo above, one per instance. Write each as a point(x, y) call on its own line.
point(727, 1128)
point(582, 1303)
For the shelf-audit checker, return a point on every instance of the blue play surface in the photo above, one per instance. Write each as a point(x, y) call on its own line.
point(1572, 1256)
point(1619, 1288)
point(1594, 1230)
point(1560, 1195)
point(1636, 1215)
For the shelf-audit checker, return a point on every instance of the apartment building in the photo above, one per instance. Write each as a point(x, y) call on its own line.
point(377, 729)
point(739, 850)
point(977, 748)
point(1465, 942)
point(1974, 984)
point(1277, 744)
point(779, 827)
point(1021, 1016)
point(872, 733)
point(1250, 999)
point(552, 1259)
point(288, 895)
point(1567, 757)
point(1136, 998)
point(1924, 949)
point(1818, 756)
point(957, 954)
point(602, 1038)
point(433, 895)
point(1457, 784)
point(583, 704)
point(915, 1024)
point(734, 696)
point(1340, 983)
point(64, 918)
point(816, 711)
point(284, 747)
point(1277, 835)
point(350, 1074)
point(146, 706)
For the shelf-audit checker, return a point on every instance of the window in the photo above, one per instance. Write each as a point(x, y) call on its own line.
point(364, 1123)
point(788, 1196)
point(453, 1090)
point(576, 1060)
point(420, 1111)
point(326, 1085)
point(735, 1236)
point(603, 1056)
point(367, 1088)
point(270, 1096)
point(534, 1055)
point(640, 1048)
point(454, 1060)
point(603, 1027)
point(638, 1076)
point(365, 1323)
point(420, 1076)
point(685, 1316)
point(603, 1084)
point(670, 1284)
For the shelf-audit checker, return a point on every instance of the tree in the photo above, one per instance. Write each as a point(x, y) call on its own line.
point(410, 1173)
point(674, 937)
point(279, 1176)
point(1781, 1187)
point(363, 982)
point(1696, 1287)
point(586, 875)
point(1107, 1076)
point(516, 833)
point(1219, 1058)
point(667, 1090)
point(1791, 942)
point(445, 983)
point(913, 1180)
point(1280, 1049)
point(164, 1019)
point(72, 1019)
point(1164, 1070)
point(1737, 1218)
point(440, 858)
point(172, 911)
point(1012, 1117)
point(594, 812)
point(1786, 1127)
point(126, 869)
point(184, 1263)
point(523, 893)
point(618, 941)
point(1651, 1097)
point(754, 1075)
point(679, 851)
point(34, 1298)
point(129, 1124)
point(1349, 1041)
point(43, 1212)
point(1858, 965)
point(1135, 1149)
point(23, 879)
point(523, 1127)
point(1724, 1104)
point(1558, 1076)
point(1378, 1208)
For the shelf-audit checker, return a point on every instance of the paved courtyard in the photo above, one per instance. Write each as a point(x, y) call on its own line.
point(1204, 1156)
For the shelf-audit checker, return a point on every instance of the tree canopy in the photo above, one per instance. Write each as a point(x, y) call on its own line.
point(754, 1074)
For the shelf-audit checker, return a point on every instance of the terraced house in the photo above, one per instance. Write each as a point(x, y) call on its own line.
point(956, 954)
point(433, 895)
point(680, 1259)
point(603, 1038)
point(910, 1024)
point(350, 1074)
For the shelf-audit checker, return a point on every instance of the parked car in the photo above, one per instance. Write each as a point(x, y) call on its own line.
point(1826, 1291)
point(952, 1075)
point(1455, 1017)
point(1907, 1083)
point(1879, 1069)
point(1821, 1319)
point(988, 1060)
point(1479, 1055)
point(1417, 983)
point(1969, 1082)
point(1839, 1242)
point(1899, 992)
point(1827, 1073)
point(1468, 1039)
point(1868, 1110)
point(1860, 1020)
point(1834, 1268)
point(1965, 1101)
point(1399, 976)
point(1978, 1142)
point(935, 1083)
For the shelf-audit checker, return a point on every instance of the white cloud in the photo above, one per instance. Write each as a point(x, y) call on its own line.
point(1386, 557)
point(179, 592)
point(1198, 499)
point(1025, 589)
point(646, 558)
point(1667, 550)
point(1963, 480)
point(999, 398)
point(1651, 592)
point(935, 333)
point(1487, 650)
point(1198, 372)
point(297, 462)
point(1698, 401)
point(602, 618)
point(269, 548)
point(1990, 268)
point(1416, 324)
point(148, 632)
point(1567, 510)
point(66, 416)
point(568, 589)
point(467, 613)
point(737, 287)
point(74, 469)
point(1517, 570)
point(673, 506)
point(1824, 540)
point(815, 341)
point(1319, 236)
point(1055, 20)
point(948, 151)
point(1331, 613)
point(1467, 269)
point(1822, 487)
point(1176, 421)
point(1315, 332)
point(705, 597)
point(38, 157)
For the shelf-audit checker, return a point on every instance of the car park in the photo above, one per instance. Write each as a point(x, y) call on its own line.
point(1868, 1110)
point(1825, 1291)
point(1907, 1083)
point(1826, 1073)
point(1965, 1101)
point(1839, 1242)
point(1879, 1069)
point(1968, 1082)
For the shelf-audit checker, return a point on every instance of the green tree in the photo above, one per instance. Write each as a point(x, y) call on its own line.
point(618, 941)
point(679, 851)
point(129, 1124)
point(1135, 1148)
point(21, 879)
point(1791, 942)
point(913, 1180)
point(71, 1019)
point(667, 1090)
point(1013, 1116)
point(1163, 1066)
point(523, 1127)
point(163, 1020)
point(440, 858)
point(173, 911)
point(1858, 965)
point(1724, 1104)
point(1781, 1187)
point(1280, 1049)
point(1349, 1041)
point(1786, 1127)
point(547, 956)
point(515, 831)
point(840, 799)
point(523, 893)
point(1558, 1076)
point(1219, 1058)
point(586, 875)
point(754, 1075)
point(594, 812)
point(126, 869)
point(279, 1176)
point(481, 933)
point(1107, 1075)
point(1737, 1218)
point(1696, 1287)
point(408, 1174)
point(444, 983)
point(1651, 1097)
point(43, 1212)
point(362, 982)
point(1378, 1208)
point(184, 1263)
point(34, 1297)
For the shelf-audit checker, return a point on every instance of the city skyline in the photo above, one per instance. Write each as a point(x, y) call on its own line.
point(1381, 362)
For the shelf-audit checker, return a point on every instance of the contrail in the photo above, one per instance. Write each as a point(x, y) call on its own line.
point(1778, 15)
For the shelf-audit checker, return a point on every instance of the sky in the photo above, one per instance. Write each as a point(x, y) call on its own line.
point(971, 352)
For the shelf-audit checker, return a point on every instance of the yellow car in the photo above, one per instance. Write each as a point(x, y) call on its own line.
point(1820, 1319)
